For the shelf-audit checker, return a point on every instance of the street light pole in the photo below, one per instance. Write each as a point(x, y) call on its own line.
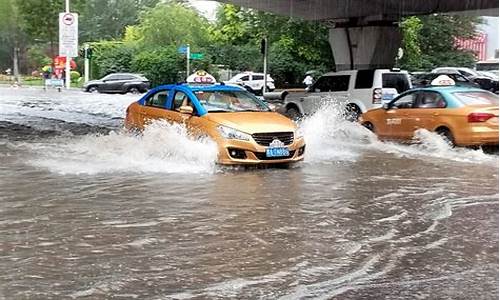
point(86, 64)
point(188, 55)
point(264, 88)
point(68, 59)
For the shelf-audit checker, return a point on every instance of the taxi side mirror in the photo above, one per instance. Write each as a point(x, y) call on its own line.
point(385, 106)
point(186, 110)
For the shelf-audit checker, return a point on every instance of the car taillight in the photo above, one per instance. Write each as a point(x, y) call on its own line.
point(377, 96)
point(479, 117)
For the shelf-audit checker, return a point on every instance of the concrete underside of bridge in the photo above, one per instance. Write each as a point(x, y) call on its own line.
point(364, 33)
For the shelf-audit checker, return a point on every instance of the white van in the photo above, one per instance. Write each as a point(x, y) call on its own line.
point(360, 90)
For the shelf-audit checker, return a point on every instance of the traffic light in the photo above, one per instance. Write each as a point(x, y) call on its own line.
point(263, 46)
point(85, 53)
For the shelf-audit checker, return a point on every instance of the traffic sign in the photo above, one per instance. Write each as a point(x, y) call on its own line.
point(196, 56)
point(68, 34)
point(182, 49)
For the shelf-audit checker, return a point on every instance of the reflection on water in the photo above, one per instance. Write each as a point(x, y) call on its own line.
point(105, 214)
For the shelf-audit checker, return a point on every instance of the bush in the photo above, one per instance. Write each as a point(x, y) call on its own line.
point(74, 76)
point(160, 66)
point(110, 57)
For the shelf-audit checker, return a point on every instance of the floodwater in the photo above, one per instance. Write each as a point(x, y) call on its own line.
point(88, 211)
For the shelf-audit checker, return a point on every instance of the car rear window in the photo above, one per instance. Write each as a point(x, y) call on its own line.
point(364, 79)
point(398, 81)
point(477, 98)
point(258, 77)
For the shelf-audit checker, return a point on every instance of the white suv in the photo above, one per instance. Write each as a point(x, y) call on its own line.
point(359, 90)
point(253, 82)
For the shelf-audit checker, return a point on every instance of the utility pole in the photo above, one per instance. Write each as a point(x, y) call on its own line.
point(264, 42)
point(86, 63)
point(16, 65)
point(68, 59)
point(188, 56)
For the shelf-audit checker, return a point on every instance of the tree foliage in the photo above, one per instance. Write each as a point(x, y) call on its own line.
point(170, 24)
point(160, 66)
point(430, 41)
point(102, 20)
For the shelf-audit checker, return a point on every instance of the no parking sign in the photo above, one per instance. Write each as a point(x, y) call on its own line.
point(68, 34)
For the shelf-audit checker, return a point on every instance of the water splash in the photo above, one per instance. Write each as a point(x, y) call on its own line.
point(331, 138)
point(162, 147)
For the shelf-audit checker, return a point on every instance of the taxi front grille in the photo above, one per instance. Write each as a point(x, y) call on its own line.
point(266, 138)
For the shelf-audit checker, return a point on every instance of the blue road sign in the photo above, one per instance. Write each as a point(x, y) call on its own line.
point(182, 49)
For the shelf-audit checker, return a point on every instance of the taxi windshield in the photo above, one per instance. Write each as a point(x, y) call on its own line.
point(477, 98)
point(230, 101)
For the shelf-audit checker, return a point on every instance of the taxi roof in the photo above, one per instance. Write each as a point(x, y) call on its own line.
point(449, 89)
point(201, 87)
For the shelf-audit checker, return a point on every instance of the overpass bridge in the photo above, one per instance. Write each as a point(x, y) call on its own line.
point(365, 33)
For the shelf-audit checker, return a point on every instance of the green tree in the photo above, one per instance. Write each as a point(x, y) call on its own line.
point(104, 20)
point(429, 41)
point(160, 66)
point(111, 56)
point(170, 24)
point(40, 18)
point(12, 36)
point(412, 57)
point(295, 45)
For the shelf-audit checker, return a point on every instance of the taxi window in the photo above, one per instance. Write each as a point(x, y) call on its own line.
point(430, 100)
point(245, 78)
point(180, 99)
point(157, 100)
point(477, 98)
point(405, 101)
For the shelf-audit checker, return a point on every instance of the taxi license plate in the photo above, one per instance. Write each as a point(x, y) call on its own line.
point(277, 152)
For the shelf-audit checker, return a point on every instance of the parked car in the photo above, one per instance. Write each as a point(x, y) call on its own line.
point(118, 83)
point(425, 79)
point(252, 82)
point(463, 116)
point(359, 90)
point(485, 82)
point(246, 131)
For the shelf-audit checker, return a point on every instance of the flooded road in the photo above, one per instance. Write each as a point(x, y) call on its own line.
point(88, 211)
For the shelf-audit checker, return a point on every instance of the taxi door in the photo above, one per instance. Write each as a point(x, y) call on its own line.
point(154, 108)
point(398, 121)
point(191, 121)
point(429, 110)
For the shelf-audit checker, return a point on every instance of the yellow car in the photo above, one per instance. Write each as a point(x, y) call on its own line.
point(246, 131)
point(463, 116)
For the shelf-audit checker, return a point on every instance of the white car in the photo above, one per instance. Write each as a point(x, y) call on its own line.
point(253, 82)
point(467, 72)
point(358, 90)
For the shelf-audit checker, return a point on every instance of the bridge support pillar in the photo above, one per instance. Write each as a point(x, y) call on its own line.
point(364, 46)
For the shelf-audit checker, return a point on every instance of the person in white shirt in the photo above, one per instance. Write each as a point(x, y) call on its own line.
point(308, 81)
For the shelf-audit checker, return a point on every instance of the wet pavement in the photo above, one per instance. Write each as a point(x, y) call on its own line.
point(88, 211)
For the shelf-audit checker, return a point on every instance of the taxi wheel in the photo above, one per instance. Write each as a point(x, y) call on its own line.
point(447, 136)
point(293, 114)
point(352, 112)
point(369, 126)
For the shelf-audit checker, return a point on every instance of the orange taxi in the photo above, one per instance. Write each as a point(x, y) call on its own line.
point(463, 116)
point(246, 131)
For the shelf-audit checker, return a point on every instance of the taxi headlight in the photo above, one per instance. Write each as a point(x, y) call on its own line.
point(232, 134)
point(299, 133)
